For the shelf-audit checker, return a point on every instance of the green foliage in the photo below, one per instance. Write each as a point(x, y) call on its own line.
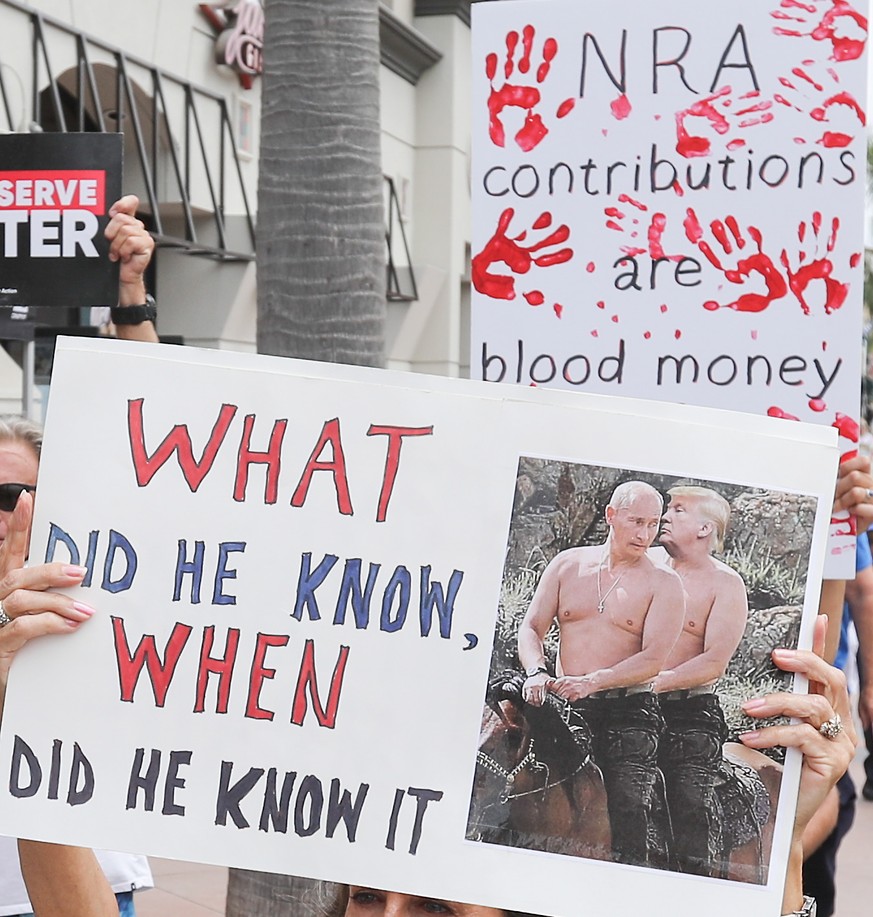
point(769, 581)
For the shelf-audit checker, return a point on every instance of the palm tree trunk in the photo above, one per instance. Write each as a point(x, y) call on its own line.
point(321, 240)
point(321, 225)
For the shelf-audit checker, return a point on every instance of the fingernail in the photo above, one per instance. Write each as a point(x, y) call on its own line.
point(757, 703)
point(84, 609)
point(784, 654)
point(749, 736)
point(73, 570)
point(71, 623)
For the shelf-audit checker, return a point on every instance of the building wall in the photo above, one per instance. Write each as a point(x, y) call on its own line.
point(425, 150)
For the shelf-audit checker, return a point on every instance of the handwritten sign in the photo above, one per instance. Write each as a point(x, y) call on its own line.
point(297, 570)
point(668, 204)
point(55, 194)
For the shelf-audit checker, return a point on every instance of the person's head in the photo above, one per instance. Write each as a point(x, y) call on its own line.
point(695, 515)
point(633, 515)
point(20, 447)
point(360, 901)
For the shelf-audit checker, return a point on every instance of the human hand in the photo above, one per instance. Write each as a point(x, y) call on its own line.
point(535, 689)
point(825, 760)
point(131, 245)
point(854, 493)
point(572, 687)
point(26, 594)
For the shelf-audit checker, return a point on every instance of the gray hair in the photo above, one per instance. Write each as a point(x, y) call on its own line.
point(333, 900)
point(15, 429)
point(626, 493)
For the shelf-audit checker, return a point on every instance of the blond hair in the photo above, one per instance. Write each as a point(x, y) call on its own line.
point(712, 506)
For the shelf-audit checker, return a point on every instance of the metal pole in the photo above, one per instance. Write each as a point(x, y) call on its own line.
point(27, 380)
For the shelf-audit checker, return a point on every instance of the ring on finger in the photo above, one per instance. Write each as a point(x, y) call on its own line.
point(4, 618)
point(869, 493)
point(831, 728)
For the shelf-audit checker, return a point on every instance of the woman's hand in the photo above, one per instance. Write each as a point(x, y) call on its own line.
point(26, 595)
point(825, 759)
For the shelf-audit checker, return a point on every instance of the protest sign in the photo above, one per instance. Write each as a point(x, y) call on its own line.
point(55, 195)
point(668, 203)
point(301, 571)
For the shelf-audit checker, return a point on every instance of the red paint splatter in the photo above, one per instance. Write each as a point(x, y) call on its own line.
point(855, 259)
point(621, 107)
point(680, 191)
point(824, 345)
point(820, 268)
point(835, 140)
point(805, 76)
point(817, 405)
point(847, 426)
point(844, 48)
point(559, 309)
point(677, 334)
point(501, 249)
point(647, 334)
point(534, 298)
point(601, 304)
point(615, 319)
point(759, 263)
point(736, 145)
point(690, 146)
point(626, 199)
point(848, 456)
point(778, 412)
point(594, 334)
point(590, 267)
point(663, 307)
point(521, 96)
point(754, 335)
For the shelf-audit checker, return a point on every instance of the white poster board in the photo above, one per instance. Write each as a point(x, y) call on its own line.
point(239, 581)
point(668, 203)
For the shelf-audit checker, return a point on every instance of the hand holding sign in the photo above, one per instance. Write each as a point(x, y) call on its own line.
point(26, 596)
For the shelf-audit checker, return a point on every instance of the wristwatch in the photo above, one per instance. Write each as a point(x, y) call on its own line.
point(536, 670)
point(807, 910)
point(137, 314)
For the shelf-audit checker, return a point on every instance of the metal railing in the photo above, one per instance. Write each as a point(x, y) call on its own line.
point(182, 135)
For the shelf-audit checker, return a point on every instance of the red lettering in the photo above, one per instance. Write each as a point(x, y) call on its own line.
point(392, 460)
point(223, 666)
point(271, 458)
point(260, 672)
point(307, 679)
point(330, 433)
point(178, 441)
point(160, 672)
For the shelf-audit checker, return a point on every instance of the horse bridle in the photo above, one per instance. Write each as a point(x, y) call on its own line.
point(489, 764)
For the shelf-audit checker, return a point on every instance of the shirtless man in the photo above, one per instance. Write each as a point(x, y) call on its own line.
point(619, 614)
point(716, 610)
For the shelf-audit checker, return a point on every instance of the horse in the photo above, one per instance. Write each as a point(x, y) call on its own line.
point(748, 800)
point(536, 785)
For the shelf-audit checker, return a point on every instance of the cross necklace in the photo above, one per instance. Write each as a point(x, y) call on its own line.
point(601, 597)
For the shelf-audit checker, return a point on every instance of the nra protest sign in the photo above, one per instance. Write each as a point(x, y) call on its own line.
point(55, 194)
point(301, 574)
point(668, 203)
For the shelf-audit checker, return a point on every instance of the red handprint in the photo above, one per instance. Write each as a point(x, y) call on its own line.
point(729, 236)
point(524, 97)
point(827, 104)
point(615, 220)
point(836, 21)
point(718, 110)
point(501, 249)
point(820, 268)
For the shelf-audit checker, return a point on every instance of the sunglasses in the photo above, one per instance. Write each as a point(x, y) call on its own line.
point(9, 494)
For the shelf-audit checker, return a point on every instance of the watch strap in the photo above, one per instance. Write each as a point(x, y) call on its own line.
point(808, 909)
point(136, 314)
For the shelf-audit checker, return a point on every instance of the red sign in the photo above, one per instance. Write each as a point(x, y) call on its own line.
point(239, 25)
point(53, 190)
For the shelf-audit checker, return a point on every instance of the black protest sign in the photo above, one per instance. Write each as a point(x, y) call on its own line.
point(55, 194)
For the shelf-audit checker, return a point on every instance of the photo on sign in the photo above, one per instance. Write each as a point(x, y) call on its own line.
point(637, 613)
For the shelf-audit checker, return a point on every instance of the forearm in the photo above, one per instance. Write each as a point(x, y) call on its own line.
point(65, 881)
point(831, 604)
point(530, 647)
point(134, 294)
point(635, 670)
point(700, 670)
point(792, 895)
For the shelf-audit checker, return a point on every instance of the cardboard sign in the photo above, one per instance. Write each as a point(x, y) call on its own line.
point(55, 194)
point(668, 203)
point(302, 572)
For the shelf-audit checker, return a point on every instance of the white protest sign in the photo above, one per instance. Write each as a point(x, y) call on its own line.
point(298, 570)
point(668, 203)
